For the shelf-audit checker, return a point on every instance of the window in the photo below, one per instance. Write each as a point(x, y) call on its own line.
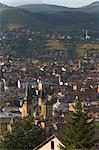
point(52, 145)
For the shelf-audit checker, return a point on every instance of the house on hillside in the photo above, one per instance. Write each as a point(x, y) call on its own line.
point(52, 143)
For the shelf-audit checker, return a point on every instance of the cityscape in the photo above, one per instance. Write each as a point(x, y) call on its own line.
point(49, 77)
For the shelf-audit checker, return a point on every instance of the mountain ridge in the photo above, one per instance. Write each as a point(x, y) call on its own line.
point(53, 16)
point(2, 6)
point(93, 7)
point(34, 8)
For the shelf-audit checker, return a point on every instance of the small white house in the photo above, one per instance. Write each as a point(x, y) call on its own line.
point(52, 143)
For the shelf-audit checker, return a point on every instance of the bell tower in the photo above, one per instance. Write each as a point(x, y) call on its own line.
point(24, 103)
point(24, 108)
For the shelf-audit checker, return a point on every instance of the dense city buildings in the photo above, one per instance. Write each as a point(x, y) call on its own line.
point(46, 89)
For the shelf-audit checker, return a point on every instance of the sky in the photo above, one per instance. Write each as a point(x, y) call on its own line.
point(69, 3)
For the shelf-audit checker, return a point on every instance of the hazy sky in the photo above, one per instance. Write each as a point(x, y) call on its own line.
point(69, 3)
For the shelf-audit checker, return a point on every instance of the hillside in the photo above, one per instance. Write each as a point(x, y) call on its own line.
point(53, 20)
point(43, 16)
point(15, 17)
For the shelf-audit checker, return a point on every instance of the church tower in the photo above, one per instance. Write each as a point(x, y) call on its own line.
point(24, 108)
point(24, 103)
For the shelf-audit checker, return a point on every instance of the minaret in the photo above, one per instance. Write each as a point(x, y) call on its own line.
point(18, 84)
point(86, 35)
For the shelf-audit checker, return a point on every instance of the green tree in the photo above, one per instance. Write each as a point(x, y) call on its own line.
point(79, 132)
point(24, 136)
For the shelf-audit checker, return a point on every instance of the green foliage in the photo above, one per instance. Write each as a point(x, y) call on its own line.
point(45, 21)
point(23, 136)
point(79, 133)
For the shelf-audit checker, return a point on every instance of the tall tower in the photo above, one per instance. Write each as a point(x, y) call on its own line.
point(24, 108)
point(24, 103)
point(32, 95)
point(18, 84)
point(86, 35)
point(40, 88)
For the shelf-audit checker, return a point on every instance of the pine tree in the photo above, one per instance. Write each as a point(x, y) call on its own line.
point(24, 136)
point(79, 132)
